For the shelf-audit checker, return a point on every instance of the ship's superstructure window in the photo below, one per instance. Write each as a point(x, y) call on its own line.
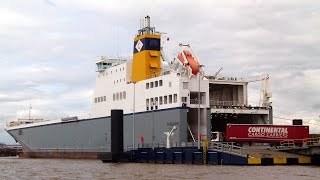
point(117, 96)
point(151, 104)
point(155, 84)
point(175, 98)
point(170, 99)
point(124, 95)
point(160, 100)
point(100, 99)
point(184, 99)
point(170, 84)
point(165, 99)
point(147, 104)
point(185, 85)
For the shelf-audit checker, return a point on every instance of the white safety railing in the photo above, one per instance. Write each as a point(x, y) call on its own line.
point(230, 148)
point(195, 101)
point(224, 103)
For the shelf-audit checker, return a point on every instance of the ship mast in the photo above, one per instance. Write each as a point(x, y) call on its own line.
point(30, 107)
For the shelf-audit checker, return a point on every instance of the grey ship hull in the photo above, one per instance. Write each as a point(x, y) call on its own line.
point(88, 137)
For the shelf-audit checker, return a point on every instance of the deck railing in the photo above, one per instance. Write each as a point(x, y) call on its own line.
point(228, 147)
point(224, 103)
point(195, 101)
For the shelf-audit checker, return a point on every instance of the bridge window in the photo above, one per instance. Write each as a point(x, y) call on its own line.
point(170, 99)
point(156, 83)
point(165, 99)
point(114, 97)
point(147, 104)
point(151, 85)
point(160, 100)
point(175, 98)
point(104, 98)
point(95, 100)
point(147, 85)
point(124, 95)
point(160, 83)
point(184, 99)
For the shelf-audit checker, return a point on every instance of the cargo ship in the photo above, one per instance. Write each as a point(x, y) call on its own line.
point(156, 94)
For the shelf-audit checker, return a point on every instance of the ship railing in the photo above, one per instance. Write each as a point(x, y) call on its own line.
point(163, 145)
point(195, 101)
point(228, 147)
point(315, 141)
point(224, 103)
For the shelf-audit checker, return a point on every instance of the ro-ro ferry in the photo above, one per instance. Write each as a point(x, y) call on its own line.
point(155, 94)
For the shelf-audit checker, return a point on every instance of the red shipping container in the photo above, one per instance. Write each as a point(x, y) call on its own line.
point(265, 133)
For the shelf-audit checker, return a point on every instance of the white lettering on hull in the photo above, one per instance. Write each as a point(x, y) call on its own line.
point(269, 132)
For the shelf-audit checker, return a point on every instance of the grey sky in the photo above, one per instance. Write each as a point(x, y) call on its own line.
point(48, 47)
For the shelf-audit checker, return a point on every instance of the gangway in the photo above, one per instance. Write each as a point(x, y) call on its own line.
point(227, 147)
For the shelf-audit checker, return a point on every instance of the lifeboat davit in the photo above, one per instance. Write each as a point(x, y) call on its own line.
point(192, 62)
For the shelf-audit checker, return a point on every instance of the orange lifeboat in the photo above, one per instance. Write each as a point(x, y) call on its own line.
point(192, 62)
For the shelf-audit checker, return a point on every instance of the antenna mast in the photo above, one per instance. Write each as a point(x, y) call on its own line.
point(30, 107)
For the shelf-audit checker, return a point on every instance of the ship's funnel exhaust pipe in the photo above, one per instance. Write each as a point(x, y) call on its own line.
point(147, 24)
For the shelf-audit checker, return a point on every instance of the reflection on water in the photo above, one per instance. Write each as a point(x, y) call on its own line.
point(16, 168)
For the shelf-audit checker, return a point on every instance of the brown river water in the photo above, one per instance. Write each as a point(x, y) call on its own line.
point(17, 168)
